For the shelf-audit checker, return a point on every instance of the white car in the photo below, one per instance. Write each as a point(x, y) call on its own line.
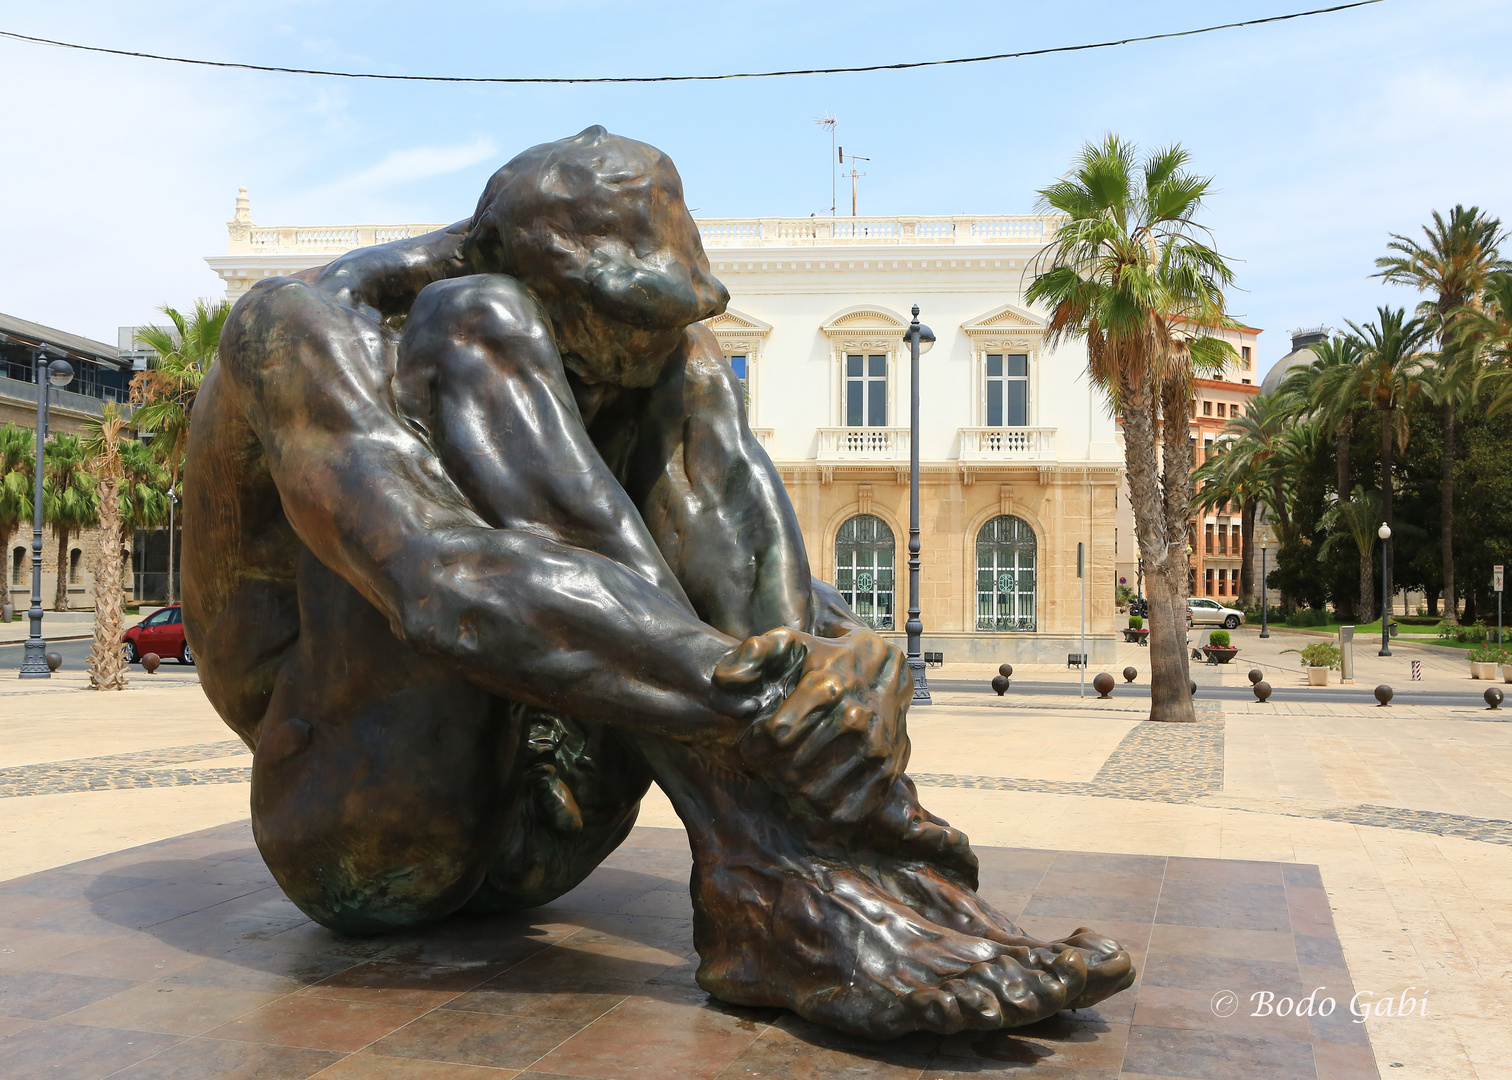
point(1207, 612)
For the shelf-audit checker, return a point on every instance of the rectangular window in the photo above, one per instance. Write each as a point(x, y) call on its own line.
point(1209, 583)
point(865, 391)
point(1222, 541)
point(1209, 539)
point(1207, 408)
point(1220, 409)
point(738, 365)
point(1234, 541)
point(1223, 583)
point(1244, 351)
point(1008, 390)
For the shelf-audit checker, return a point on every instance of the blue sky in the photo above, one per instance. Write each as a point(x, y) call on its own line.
point(1323, 134)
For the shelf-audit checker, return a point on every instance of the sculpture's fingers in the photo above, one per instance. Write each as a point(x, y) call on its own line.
point(980, 1010)
point(760, 657)
point(936, 1010)
point(816, 694)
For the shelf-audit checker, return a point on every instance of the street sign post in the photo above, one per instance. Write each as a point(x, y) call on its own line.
point(1081, 558)
point(1496, 581)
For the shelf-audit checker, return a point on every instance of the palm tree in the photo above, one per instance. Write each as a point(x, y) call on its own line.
point(144, 489)
point(1245, 468)
point(1486, 329)
point(17, 460)
point(1390, 376)
point(68, 500)
point(1359, 517)
point(107, 656)
point(1127, 271)
point(1329, 388)
point(1454, 266)
point(163, 395)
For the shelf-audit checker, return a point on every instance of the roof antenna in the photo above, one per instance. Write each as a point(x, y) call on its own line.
point(828, 120)
point(853, 175)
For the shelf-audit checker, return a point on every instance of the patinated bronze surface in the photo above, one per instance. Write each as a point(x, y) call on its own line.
point(478, 545)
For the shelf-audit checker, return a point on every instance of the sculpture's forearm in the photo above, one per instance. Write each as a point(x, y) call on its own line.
point(385, 279)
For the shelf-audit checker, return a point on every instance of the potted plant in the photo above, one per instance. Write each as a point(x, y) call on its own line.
point(1136, 631)
point(1484, 661)
point(1218, 649)
point(1317, 658)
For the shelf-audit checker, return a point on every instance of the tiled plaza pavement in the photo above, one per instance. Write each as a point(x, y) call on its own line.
point(181, 959)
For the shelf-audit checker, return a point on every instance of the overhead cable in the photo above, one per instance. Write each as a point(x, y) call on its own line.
point(517, 80)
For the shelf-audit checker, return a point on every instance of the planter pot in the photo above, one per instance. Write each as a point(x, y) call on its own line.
point(1506, 673)
point(1220, 654)
point(1483, 671)
point(1317, 676)
point(1138, 637)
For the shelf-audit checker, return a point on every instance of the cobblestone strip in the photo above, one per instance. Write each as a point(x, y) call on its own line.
point(1167, 759)
point(141, 769)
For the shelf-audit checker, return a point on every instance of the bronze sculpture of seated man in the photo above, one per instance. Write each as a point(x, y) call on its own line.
point(478, 544)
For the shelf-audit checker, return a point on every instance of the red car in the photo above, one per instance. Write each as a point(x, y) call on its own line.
point(162, 632)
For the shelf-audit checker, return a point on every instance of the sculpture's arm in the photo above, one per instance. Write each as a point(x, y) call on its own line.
point(525, 615)
point(385, 279)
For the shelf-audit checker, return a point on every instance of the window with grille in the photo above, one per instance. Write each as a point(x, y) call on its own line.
point(1005, 575)
point(18, 565)
point(73, 566)
point(864, 560)
point(865, 391)
point(1007, 390)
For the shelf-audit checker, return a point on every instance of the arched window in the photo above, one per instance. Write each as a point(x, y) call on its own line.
point(73, 566)
point(18, 564)
point(1005, 575)
point(864, 569)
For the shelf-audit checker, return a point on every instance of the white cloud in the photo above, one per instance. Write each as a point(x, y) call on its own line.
point(407, 166)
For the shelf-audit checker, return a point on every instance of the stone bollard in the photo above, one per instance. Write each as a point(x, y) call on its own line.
point(1130, 674)
point(1103, 684)
point(1005, 670)
point(1383, 694)
point(151, 662)
point(1255, 675)
point(1193, 683)
point(54, 661)
point(1493, 696)
point(1262, 691)
point(1000, 684)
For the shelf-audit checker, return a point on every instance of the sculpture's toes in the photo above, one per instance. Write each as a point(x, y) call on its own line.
point(1109, 966)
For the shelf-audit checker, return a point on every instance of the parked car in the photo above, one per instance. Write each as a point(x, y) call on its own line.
point(162, 632)
point(1205, 612)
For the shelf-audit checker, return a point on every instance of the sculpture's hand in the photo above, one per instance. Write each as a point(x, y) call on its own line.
point(833, 737)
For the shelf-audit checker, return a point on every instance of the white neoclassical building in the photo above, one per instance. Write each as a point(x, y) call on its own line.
point(1019, 461)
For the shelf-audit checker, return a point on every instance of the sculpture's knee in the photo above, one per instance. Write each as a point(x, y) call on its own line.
point(490, 310)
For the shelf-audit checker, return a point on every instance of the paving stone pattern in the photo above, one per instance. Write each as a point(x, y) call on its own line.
point(142, 769)
point(182, 959)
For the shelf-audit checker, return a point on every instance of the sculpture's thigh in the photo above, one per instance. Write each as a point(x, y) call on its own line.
point(379, 776)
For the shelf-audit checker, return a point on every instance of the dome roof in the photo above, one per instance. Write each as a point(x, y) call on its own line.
point(1300, 356)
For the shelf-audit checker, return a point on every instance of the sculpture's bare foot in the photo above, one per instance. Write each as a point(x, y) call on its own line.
point(829, 944)
point(934, 872)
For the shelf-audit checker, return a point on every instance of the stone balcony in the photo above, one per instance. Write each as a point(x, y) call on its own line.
point(987, 444)
point(863, 444)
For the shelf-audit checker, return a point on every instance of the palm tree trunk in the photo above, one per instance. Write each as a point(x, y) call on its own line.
point(60, 594)
point(1365, 608)
point(1446, 514)
point(1388, 434)
point(1167, 637)
point(1342, 439)
point(107, 658)
point(1247, 511)
point(1170, 697)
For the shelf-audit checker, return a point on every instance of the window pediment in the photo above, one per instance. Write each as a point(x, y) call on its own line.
point(867, 322)
point(1005, 327)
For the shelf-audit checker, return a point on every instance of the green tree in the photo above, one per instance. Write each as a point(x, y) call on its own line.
point(144, 489)
point(69, 500)
point(17, 460)
point(1453, 265)
point(163, 395)
point(1129, 272)
point(107, 655)
point(1358, 518)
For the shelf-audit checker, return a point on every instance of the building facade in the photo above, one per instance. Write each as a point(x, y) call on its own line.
point(1018, 456)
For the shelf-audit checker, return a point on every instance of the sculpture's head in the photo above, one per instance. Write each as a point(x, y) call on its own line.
point(596, 226)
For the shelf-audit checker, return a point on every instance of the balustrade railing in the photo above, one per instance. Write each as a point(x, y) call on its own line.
point(863, 443)
point(1007, 443)
point(818, 231)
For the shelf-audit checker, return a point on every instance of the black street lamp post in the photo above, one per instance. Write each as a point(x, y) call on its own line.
point(1264, 595)
point(1384, 532)
point(34, 660)
point(920, 338)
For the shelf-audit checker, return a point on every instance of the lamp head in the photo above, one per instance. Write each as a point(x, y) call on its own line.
point(60, 373)
point(926, 339)
point(1384, 532)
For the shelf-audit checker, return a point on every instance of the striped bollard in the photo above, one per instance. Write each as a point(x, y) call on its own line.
point(1417, 671)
